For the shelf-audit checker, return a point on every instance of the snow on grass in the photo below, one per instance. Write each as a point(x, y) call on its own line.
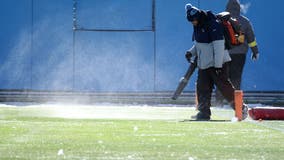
point(135, 128)
point(105, 111)
point(60, 152)
point(234, 119)
point(33, 138)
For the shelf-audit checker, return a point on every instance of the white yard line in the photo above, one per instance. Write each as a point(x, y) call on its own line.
point(267, 125)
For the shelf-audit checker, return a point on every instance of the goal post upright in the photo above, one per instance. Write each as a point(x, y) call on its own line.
point(78, 28)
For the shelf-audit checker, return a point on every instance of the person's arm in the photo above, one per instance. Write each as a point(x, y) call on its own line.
point(251, 40)
point(191, 54)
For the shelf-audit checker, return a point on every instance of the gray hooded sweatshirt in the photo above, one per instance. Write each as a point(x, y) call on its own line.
point(234, 7)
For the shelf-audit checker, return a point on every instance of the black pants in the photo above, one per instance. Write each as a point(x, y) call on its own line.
point(206, 80)
point(235, 71)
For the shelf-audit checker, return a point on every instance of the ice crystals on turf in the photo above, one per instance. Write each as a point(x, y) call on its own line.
point(135, 128)
point(60, 152)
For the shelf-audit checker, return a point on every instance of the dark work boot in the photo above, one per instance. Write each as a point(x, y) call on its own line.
point(201, 117)
point(245, 112)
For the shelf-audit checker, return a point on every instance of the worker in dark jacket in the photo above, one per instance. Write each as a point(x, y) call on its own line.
point(209, 48)
point(238, 53)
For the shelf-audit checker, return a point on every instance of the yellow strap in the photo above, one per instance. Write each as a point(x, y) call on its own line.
point(252, 44)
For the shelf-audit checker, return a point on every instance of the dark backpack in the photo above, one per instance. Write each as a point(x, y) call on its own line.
point(232, 30)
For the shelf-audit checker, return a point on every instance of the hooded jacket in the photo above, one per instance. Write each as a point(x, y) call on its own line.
point(209, 44)
point(234, 7)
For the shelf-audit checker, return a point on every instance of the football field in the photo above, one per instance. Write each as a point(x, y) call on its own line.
point(133, 132)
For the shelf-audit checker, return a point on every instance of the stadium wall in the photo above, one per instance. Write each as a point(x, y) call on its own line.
point(41, 50)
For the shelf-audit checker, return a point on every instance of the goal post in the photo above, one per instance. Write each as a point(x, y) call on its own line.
point(113, 16)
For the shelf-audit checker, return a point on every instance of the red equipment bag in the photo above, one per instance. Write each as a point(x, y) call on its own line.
point(267, 113)
point(232, 30)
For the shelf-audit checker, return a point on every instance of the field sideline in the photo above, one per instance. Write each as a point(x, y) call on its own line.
point(133, 132)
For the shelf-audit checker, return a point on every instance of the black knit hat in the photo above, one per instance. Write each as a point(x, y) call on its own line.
point(192, 13)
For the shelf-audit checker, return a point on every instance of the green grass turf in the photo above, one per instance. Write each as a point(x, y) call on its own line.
point(29, 133)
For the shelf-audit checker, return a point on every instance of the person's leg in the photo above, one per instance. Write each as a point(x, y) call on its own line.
point(227, 89)
point(235, 74)
point(223, 83)
point(236, 69)
point(204, 91)
point(219, 98)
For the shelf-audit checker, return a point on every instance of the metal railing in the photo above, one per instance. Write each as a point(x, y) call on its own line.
point(263, 97)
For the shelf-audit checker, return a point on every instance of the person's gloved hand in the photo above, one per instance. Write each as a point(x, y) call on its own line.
point(255, 56)
point(218, 71)
point(188, 56)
